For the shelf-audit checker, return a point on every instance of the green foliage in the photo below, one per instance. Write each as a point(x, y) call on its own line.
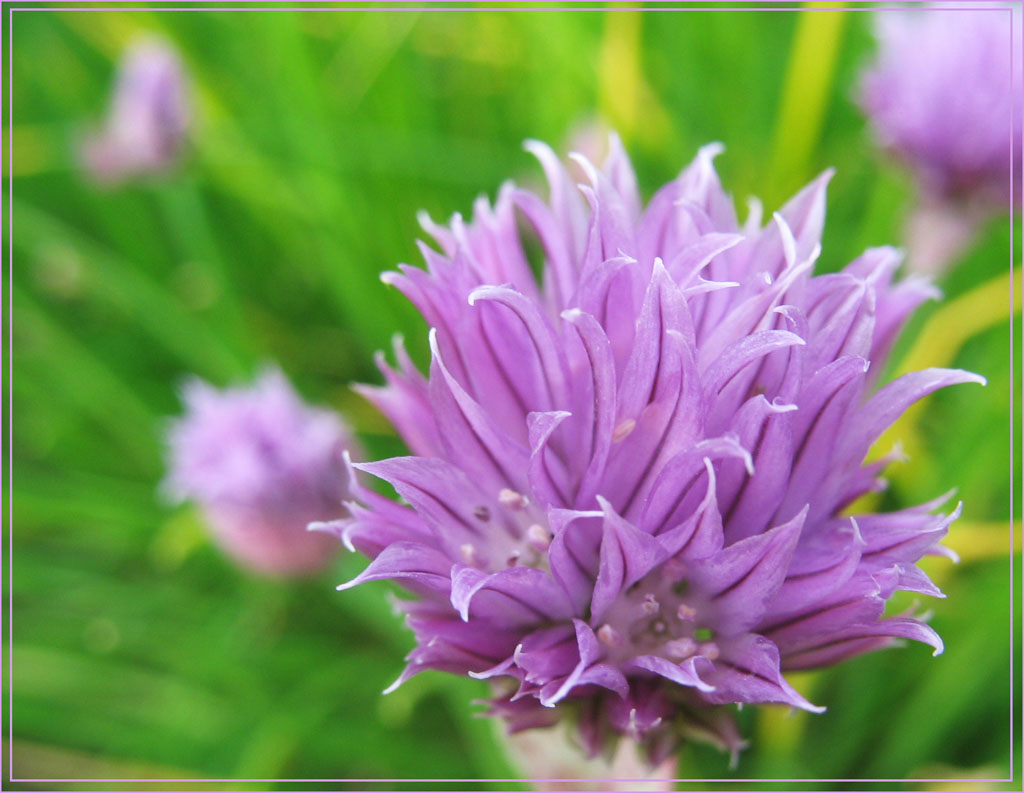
point(318, 137)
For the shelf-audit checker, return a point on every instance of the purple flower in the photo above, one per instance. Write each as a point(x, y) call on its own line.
point(940, 95)
point(148, 120)
point(262, 465)
point(626, 501)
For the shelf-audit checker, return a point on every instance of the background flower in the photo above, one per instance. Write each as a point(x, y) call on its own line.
point(262, 465)
point(149, 116)
point(940, 96)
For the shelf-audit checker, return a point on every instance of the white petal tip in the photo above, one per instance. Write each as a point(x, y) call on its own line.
point(393, 687)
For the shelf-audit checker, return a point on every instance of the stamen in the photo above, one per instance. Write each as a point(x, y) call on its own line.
point(633, 729)
point(609, 636)
point(538, 537)
point(659, 626)
point(622, 431)
point(681, 649)
point(709, 650)
point(510, 499)
point(650, 605)
point(513, 559)
point(469, 556)
point(686, 612)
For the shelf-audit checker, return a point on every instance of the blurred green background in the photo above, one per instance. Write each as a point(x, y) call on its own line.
point(138, 650)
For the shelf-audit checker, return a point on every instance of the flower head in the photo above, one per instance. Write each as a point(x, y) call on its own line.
point(148, 118)
point(625, 503)
point(262, 465)
point(940, 95)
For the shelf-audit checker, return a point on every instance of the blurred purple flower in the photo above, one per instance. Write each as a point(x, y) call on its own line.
point(262, 465)
point(148, 119)
point(626, 501)
point(940, 96)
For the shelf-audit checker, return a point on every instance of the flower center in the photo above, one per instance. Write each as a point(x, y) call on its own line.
point(657, 616)
point(524, 541)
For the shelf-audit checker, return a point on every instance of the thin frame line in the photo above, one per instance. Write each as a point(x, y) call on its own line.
point(540, 5)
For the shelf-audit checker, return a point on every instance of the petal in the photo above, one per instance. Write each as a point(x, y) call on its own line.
point(742, 578)
point(627, 555)
point(516, 595)
point(685, 673)
point(574, 557)
point(805, 214)
point(424, 568)
point(738, 320)
point(446, 499)
point(663, 310)
point(670, 424)
point(549, 481)
point(891, 401)
point(674, 496)
point(826, 405)
point(684, 266)
point(859, 639)
point(841, 318)
point(368, 532)
point(619, 171)
point(548, 653)
point(405, 402)
point(545, 347)
point(743, 353)
point(749, 500)
point(560, 262)
point(597, 438)
point(567, 207)
point(821, 564)
point(611, 231)
point(586, 672)
point(470, 434)
point(700, 535)
point(904, 536)
point(748, 671)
